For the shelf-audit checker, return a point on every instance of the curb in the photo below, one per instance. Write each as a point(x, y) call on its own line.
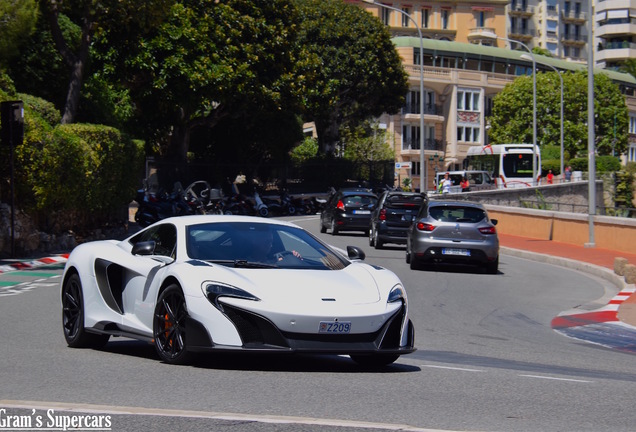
point(601, 326)
point(8, 266)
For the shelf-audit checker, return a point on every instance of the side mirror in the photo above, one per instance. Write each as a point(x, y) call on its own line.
point(355, 253)
point(144, 248)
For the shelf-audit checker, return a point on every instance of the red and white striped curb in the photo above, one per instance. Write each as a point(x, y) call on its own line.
point(23, 265)
point(601, 326)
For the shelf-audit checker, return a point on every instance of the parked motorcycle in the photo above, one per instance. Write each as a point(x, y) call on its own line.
point(260, 206)
point(155, 206)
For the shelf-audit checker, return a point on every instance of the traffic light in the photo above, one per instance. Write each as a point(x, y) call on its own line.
point(12, 123)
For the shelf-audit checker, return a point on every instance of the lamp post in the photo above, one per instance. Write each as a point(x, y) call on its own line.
point(423, 170)
point(490, 35)
point(561, 131)
point(534, 105)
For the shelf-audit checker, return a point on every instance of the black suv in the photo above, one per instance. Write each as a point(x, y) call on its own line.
point(391, 219)
point(348, 210)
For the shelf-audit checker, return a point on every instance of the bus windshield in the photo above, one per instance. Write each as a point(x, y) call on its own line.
point(517, 165)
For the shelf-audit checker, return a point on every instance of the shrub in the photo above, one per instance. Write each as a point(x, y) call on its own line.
point(603, 164)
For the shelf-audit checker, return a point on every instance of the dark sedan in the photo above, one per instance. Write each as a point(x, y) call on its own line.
point(392, 217)
point(348, 210)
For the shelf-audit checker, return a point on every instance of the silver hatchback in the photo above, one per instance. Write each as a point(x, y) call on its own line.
point(453, 232)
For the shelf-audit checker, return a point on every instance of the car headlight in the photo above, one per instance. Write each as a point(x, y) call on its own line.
point(397, 294)
point(214, 290)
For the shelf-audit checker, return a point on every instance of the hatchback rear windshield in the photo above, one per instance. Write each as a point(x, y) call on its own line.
point(404, 201)
point(457, 214)
point(359, 201)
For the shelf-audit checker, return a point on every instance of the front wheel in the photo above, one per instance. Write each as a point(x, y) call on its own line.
point(73, 317)
point(169, 326)
point(334, 230)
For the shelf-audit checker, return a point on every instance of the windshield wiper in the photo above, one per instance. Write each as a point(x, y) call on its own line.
point(252, 264)
point(242, 263)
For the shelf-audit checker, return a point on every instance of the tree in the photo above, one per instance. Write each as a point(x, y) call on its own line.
point(350, 69)
point(92, 18)
point(17, 23)
point(511, 119)
point(210, 60)
point(629, 66)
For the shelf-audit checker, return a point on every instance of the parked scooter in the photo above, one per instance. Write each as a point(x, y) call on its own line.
point(260, 206)
point(155, 206)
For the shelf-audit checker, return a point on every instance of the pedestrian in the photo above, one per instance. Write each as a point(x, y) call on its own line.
point(568, 173)
point(445, 184)
point(465, 184)
point(550, 177)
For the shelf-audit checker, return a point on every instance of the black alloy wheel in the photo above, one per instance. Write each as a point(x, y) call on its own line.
point(73, 317)
point(169, 326)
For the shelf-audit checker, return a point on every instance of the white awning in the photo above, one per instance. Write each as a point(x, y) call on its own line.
point(618, 13)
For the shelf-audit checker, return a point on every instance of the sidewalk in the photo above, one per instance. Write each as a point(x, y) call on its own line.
point(599, 262)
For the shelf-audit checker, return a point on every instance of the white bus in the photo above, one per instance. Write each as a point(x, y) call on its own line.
point(509, 164)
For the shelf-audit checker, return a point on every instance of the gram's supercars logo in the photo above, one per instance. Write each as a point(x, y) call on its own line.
point(53, 421)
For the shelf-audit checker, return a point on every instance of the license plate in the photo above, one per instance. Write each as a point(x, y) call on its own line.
point(460, 252)
point(334, 327)
point(362, 212)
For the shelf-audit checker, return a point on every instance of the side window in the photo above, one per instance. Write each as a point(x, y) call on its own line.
point(164, 236)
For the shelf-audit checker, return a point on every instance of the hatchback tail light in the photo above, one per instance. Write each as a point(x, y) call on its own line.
point(382, 215)
point(488, 230)
point(340, 206)
point(425, 226)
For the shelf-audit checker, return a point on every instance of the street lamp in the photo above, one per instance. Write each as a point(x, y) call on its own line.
point(423, 170)
point(561, 131)
point(491, 35)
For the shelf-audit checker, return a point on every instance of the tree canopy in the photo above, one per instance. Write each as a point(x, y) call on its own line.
point(511, 119)
point(352, 70)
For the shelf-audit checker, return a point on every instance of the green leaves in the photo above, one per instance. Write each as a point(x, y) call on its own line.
point(511, 120)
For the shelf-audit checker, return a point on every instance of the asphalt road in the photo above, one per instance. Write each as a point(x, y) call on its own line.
point(487, 359)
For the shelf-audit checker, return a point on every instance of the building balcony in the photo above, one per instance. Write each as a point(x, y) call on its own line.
point(481, 33)
point(615, 52)
point(573, 16)
point(411, 147)
point(521, 10)
point(605, 29)
point(430, 109)
point(521, 33)
point(574, 39)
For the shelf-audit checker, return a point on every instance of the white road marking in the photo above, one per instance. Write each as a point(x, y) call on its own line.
point(452, 368)
point(555, 378)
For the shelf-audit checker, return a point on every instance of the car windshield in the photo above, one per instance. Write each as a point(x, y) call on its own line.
point(362, 201)
point(399, 201)
point(457, 214)
point(259, 245)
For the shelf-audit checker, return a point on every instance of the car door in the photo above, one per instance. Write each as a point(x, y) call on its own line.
point(142, 276)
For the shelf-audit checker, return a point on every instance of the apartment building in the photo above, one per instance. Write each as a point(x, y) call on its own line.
point(615, 32)
point(460, 82)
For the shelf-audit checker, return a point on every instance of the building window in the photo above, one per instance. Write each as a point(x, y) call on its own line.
point(631, 153)
point(415, 168)
point(405, 17)
point(410, 137)
point(632, 125)
point(481, 19)
point(425, 17)
point(468, 100)
point(471, 134)
point(445, 18)
point(386, 16)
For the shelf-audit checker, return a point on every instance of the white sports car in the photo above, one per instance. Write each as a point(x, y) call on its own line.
point(204, 283)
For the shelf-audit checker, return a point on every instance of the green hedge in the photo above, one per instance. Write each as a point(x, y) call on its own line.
point(603, 164)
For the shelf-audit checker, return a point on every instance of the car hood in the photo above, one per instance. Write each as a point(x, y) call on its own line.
point(353, 285)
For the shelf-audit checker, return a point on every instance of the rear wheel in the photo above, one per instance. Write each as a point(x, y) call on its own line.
point(169, 326)
point(493, 267)
point(334, 230)
point(73, 317)
point(371, 239)
point(374, 360)
point(415, 265)
point(378, 243)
